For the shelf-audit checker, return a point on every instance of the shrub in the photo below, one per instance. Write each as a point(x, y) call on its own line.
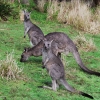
point(6, 10)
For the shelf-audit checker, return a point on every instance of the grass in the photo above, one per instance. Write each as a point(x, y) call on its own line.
point(11, 38)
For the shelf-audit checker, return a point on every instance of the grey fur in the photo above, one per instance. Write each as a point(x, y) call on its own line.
point(55, 68)
point(34, 32)
point(61, 44)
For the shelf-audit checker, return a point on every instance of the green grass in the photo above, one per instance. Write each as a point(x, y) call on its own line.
point(11, 38)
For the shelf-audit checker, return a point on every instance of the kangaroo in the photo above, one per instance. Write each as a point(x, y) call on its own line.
point(61, 44)
point(55, 69)
point(34, 32)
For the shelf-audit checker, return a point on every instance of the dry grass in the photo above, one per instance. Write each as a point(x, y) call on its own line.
point(79, 16)
point(62, 12)
point(98, 13)
point(40, 5)
point(75, 13)
point(84, 44)
point(52, 9)
point(9, 68)
point(21, 14)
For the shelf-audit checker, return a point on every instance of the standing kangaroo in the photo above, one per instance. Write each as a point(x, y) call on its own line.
point(34, 32)
point(55, 69)
point(61, 44)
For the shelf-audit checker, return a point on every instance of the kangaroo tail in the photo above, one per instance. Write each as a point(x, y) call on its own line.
point(86, 95)
point(82, 66)
point(71, 89)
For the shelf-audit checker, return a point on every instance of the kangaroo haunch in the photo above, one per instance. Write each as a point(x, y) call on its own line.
point(61, 44)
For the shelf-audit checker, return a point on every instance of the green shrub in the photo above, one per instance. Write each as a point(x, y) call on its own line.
point(7, 10)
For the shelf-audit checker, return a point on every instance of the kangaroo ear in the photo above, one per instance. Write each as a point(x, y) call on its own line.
point(24, 10)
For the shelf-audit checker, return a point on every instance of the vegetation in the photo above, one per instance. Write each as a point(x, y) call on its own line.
point(26, 87)
point(75, 13)
point(7, 10)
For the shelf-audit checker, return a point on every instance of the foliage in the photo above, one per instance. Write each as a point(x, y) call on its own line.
point(8, 10)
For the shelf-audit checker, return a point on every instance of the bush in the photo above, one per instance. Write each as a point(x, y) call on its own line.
point(7, 10)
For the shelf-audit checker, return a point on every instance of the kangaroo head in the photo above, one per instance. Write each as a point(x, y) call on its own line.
point(26, 15)
point(47, 44)
point(25, 55)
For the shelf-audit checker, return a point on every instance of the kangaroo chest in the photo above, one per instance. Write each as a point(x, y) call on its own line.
point(45, 57)
point(27, 26)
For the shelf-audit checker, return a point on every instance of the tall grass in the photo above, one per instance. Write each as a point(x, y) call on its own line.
point(79, 16)
point(52, 9)
point(97, 14)
point(63, 9)
point(40, 5)
point(76, 13)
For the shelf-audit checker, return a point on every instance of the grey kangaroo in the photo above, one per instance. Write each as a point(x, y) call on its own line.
point(61, 44)
point(55, 69)
point(34, 32)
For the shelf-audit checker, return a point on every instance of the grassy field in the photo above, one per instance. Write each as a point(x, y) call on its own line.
point(11, 39)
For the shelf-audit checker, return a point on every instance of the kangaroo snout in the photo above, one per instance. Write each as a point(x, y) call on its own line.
point(22, 60)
